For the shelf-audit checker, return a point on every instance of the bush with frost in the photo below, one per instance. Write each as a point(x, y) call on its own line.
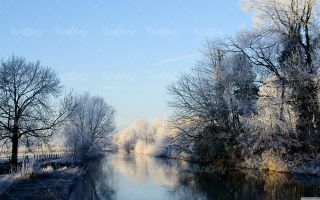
point(89, 127)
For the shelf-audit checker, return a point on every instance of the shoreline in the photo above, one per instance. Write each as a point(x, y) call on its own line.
point(271, 164)
point(49, 185)
point(51, 179)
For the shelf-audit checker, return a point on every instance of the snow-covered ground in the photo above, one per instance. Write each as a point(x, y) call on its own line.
point(50, 178)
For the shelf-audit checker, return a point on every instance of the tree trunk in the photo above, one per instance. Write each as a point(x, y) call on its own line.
point(14, 152)
point(283, 91)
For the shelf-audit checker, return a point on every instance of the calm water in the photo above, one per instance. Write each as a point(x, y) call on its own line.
point(132, 177)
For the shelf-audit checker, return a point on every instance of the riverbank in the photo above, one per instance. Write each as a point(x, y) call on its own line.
point(46, 179)
point(293, 164)
point(51, 185)
point(51, 179)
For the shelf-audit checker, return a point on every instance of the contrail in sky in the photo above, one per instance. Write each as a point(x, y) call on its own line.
point(176, 59)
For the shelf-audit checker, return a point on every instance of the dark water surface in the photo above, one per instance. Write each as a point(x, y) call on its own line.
point(132, 177)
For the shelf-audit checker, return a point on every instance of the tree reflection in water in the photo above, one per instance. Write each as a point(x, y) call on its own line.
point(143, 177)
point(97, 183)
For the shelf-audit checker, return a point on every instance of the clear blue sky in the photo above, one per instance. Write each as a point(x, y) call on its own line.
point(127, 51)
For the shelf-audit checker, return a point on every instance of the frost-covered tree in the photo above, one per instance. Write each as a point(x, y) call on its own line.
point(285, 43)
point(209, 102)
point(158, 134)
point(269, 129)
point(201, 96)
point(245, 89)
point(89, 126)
point(139, 130)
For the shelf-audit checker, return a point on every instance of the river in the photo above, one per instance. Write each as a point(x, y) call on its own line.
point(138, 177)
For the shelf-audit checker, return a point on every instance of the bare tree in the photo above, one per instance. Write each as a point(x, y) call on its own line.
point(199, 96)
point(89, 125)
point(26, 109)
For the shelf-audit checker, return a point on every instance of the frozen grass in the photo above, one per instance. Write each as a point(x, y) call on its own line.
point(61, 168)
point(9, 179)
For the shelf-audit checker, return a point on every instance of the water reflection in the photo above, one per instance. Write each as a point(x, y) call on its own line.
point(143, 177)
point(98, 183)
